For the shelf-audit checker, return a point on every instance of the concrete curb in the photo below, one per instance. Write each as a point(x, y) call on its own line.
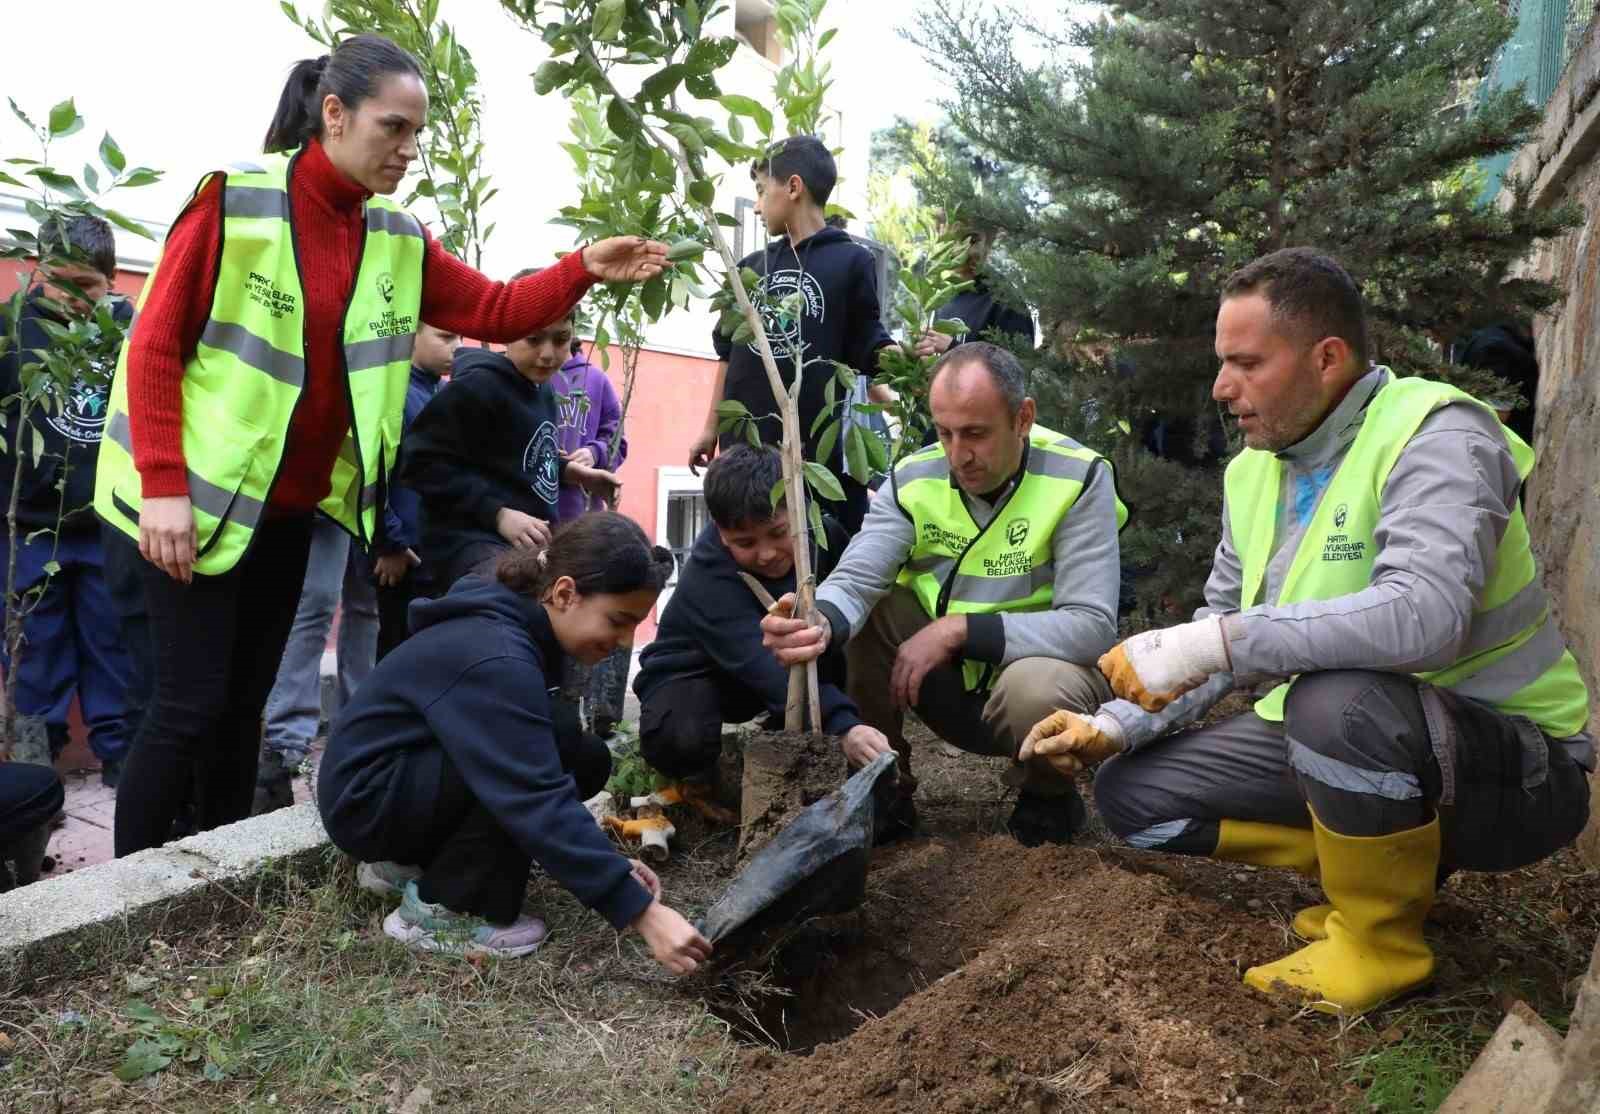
point(95, 915)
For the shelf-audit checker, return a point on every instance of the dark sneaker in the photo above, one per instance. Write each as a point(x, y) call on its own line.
point(274, 783)
point(432, 928)
point(110, 772)
point(1038, 820)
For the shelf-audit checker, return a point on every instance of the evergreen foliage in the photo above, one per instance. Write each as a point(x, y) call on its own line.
point(1169, 142)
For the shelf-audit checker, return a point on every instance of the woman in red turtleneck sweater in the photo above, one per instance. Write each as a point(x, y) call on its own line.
point(217, 640)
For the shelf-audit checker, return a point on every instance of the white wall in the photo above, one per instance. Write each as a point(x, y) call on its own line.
point(184, 85)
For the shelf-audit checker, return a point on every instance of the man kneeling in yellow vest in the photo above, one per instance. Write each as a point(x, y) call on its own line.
point(981, 588)
point(1374, 553)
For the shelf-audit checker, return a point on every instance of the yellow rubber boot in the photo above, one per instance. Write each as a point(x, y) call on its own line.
point(1381, 889)
point(1248, 841)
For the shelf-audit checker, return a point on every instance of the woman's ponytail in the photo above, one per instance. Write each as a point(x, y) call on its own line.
point(299, 113)
point(351, 73)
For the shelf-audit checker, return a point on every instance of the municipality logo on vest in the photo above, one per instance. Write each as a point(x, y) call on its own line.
point(1017, 531)
point(386, 286)
point(1339, 547)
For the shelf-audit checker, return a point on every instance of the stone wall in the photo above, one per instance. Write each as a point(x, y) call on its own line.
point(1563, 162)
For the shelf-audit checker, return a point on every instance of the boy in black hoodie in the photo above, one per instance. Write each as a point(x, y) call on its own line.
point(72, 629)
point(707, 666)
point(839, 318)
point(483, 455)
point(449, 757)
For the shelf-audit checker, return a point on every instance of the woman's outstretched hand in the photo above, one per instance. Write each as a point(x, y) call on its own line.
point(625, 259)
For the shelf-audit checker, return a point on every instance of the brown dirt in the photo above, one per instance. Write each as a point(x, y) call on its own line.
point(1036, 980)
point(783, 773)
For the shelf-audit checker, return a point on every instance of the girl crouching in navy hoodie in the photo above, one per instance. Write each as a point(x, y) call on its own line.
point(449, 757)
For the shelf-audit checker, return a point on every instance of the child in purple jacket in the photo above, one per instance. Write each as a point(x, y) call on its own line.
point(590, 416)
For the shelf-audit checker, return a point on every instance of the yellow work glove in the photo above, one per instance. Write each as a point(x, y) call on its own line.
point(1155, 668)
point(1070, 742)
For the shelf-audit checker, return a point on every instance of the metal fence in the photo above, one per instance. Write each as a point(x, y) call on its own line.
point(1547, 33)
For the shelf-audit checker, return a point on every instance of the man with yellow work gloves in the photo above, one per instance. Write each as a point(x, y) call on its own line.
point(1374, 553)
point(981, 589)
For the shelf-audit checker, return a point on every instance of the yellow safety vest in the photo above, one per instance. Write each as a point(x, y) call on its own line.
point(241, 386)
point(1514, 657)
point(1007, 565)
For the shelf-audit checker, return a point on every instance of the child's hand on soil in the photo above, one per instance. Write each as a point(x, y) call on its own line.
point(674, 942)
point(646, 878)
point(793, 641)
point(861, 744)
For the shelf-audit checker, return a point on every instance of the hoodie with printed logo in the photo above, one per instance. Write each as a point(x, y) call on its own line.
point(487, 440)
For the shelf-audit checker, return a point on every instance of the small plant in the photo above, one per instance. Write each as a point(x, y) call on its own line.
point(82, 349)
point(663, 53)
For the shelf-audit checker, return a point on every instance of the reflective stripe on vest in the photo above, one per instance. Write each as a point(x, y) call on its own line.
point(1513, 656)
point(241, 386)
point(1008, 565)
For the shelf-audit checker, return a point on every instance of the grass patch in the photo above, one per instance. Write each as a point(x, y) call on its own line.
point(306, 1005)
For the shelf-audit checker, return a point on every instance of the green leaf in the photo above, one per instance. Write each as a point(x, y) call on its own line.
point(23, 116)
point(951, 328)
point(140, 176)
point(702, 191)
point(127, 224)
point(111, 155)
point(732, 408)
point(814, 514)
point(653, 296)
point(38, 445)
point(50, 568)
point(608, 17)
point(144, 1057)
point(54, 179)
point(823, 481)
point(855, 453)
point(877, 452)
point(685, 249)
point(777, 494)
point(64, 119)
point(551, 76)
point(750, 107)
point(830, 437)
point(1122, 424)
point(620, 121)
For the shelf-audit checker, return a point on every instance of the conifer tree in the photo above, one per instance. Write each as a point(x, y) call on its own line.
point(1169, 142)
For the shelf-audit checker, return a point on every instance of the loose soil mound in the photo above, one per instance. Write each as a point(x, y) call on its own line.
point(1032, 980)
point(783, 773)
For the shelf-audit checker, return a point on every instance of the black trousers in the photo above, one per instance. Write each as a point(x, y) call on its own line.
point(125, 583)
point(217, 643)
point(680, 724)
point(394, 606)
point(29, 796)
point(470, 863)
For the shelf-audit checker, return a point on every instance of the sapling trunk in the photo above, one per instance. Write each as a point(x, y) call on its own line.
point(804, 705)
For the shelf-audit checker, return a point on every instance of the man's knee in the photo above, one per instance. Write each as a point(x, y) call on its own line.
point(1122, 799)
point(1029, 689)
point(1358, 717)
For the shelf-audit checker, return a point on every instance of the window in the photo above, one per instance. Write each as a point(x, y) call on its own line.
point(680, 516)
point(686, 517)
point(753, 22)
point(749, 231)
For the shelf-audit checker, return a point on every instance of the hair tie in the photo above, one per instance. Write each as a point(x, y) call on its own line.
point(543, 558)
point(319, 65)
